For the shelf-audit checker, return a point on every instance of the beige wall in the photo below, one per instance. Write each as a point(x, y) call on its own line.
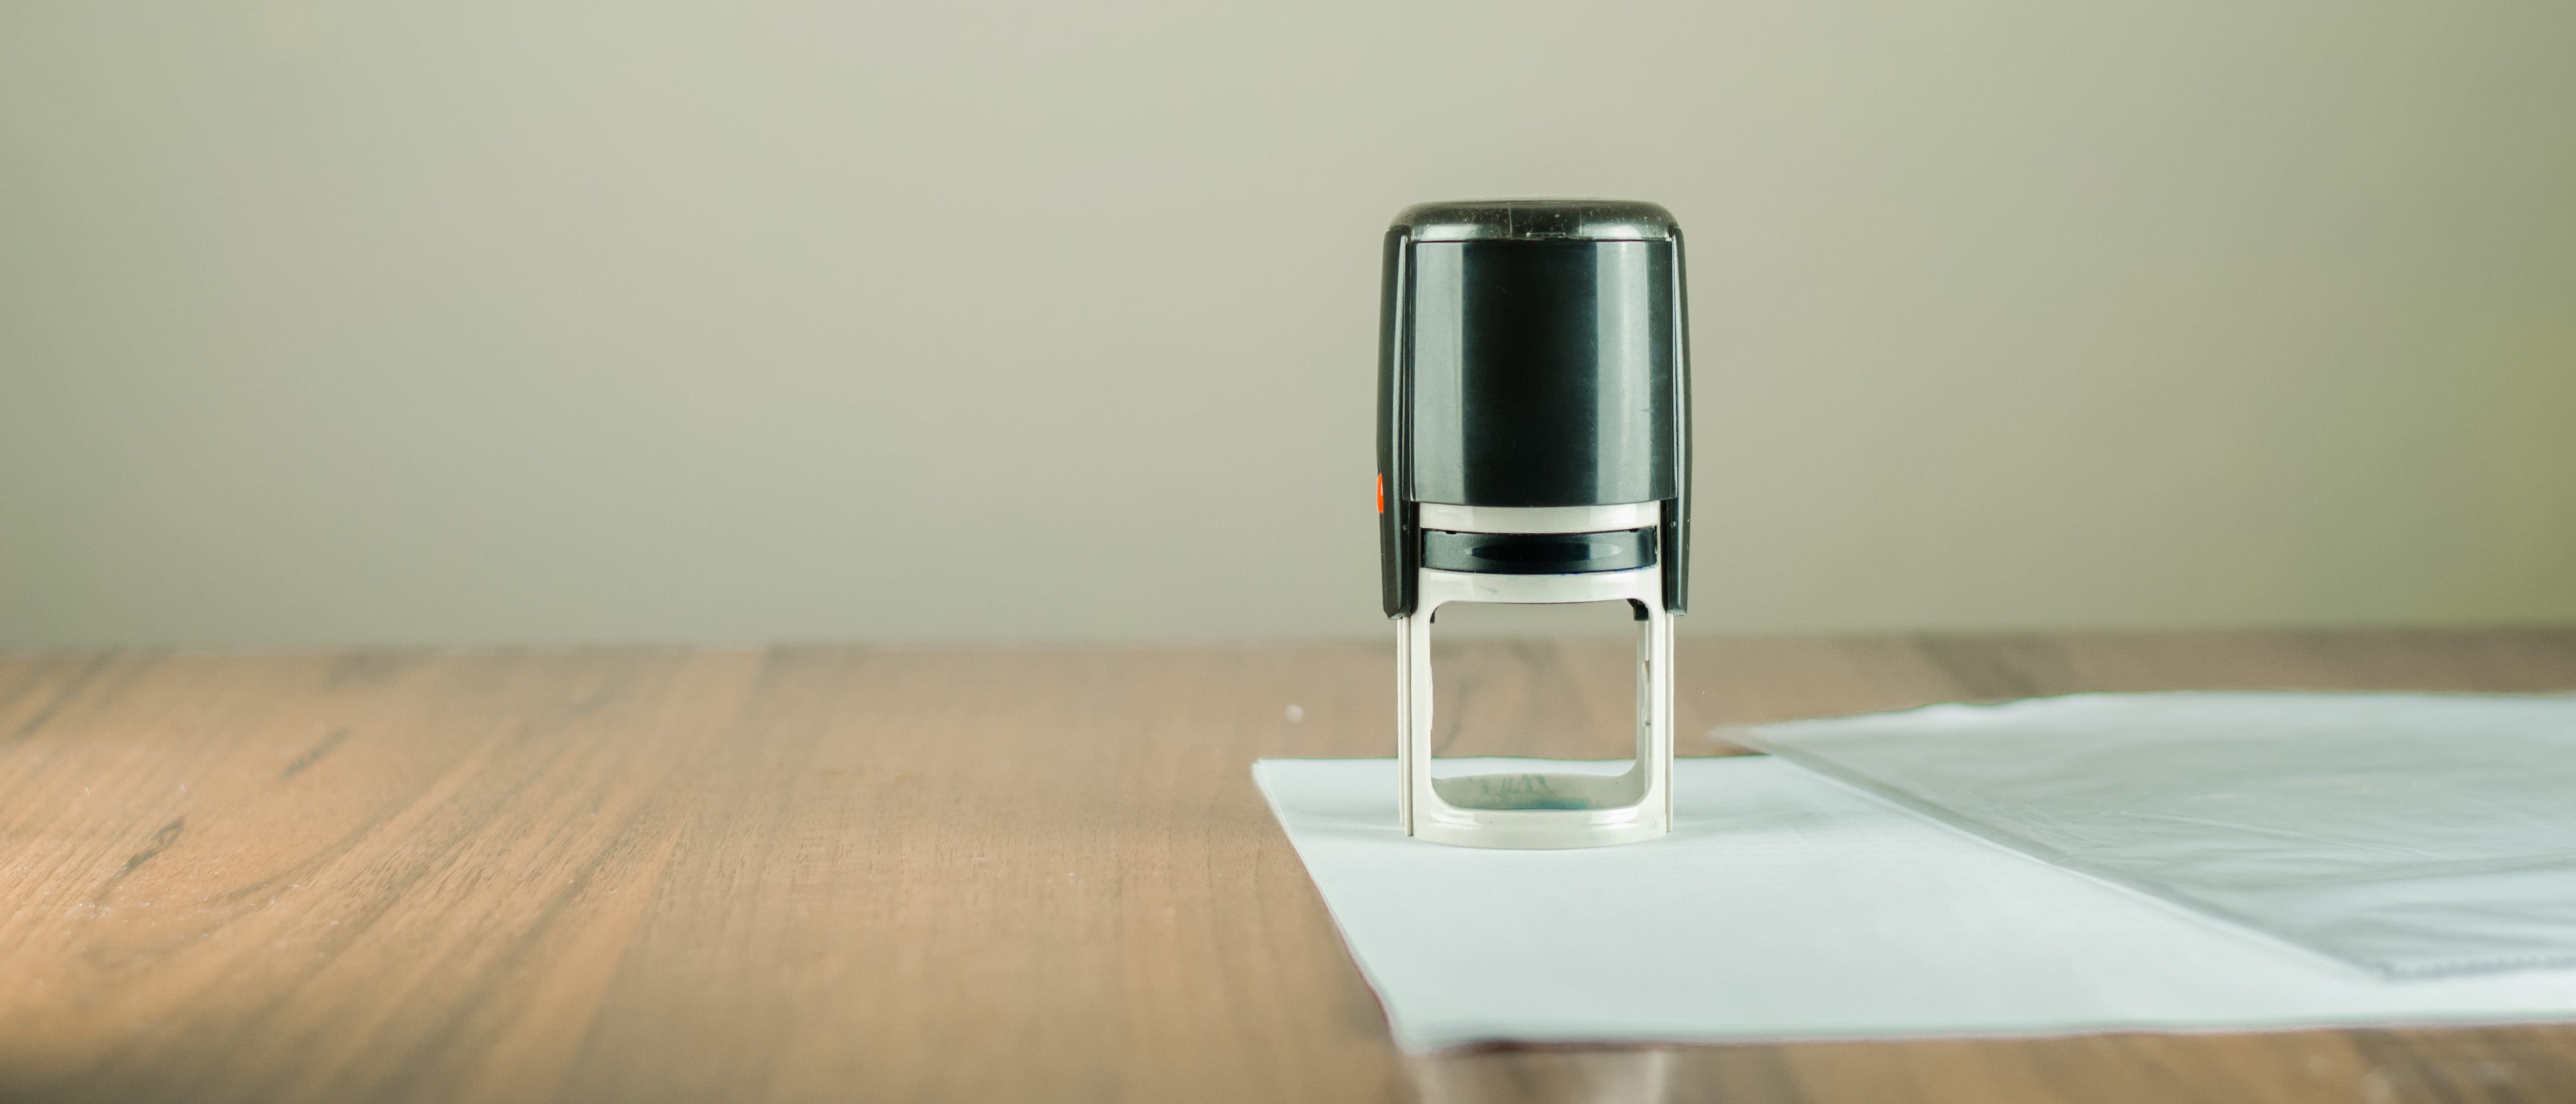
point(544, 321)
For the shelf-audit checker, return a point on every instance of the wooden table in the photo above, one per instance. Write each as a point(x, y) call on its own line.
point(819, 873)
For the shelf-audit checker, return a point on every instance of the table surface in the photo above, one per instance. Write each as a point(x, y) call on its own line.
point(845, 873)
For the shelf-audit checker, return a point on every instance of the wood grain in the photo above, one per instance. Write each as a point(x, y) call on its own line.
point(888, 874)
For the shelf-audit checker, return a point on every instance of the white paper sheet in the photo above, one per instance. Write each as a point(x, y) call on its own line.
point(2412, 834)
point(1789, 906)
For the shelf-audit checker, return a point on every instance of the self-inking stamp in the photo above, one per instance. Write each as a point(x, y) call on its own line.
point(1534, 447)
